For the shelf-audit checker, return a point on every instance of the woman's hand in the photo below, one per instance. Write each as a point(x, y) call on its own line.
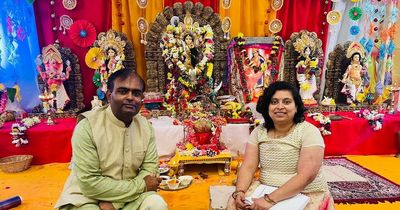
point(260, 204)
point(239, 201)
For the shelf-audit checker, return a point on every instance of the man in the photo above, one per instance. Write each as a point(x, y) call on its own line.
point(114, 153)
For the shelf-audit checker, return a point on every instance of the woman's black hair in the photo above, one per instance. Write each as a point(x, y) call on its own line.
point(264, 101)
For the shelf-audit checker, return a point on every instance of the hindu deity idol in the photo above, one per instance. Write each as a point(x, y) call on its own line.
point(306, 69)
point(51, 69)
point(355, 78)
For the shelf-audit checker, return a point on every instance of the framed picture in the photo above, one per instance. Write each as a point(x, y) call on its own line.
point(252, 66)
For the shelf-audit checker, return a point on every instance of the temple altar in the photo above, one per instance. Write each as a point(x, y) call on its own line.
point(351, 136)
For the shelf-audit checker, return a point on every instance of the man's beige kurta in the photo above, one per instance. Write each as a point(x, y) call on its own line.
point(110, 160)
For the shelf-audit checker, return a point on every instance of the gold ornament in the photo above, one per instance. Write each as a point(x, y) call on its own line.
point(355, 47)
point(109, 39)
point(143, 27)
point(334, 17)
point(275, 26)
point(276, 4)
point(303, 42)
point(69, 4)
point(142, 3)
point(51, 52)
point(226, 27)
point(226, 4)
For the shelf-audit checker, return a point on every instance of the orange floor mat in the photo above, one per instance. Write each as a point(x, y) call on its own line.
point(40, 186)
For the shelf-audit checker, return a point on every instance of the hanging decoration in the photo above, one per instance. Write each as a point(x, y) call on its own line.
point(142, 24)
point(275, 26)
point(226, 4)
point(53, 16)
point(334, 17)
point(226, 27)
point(354, 30)
point(65, 23)
point(276, 4)
point(82, 33)
point(94, 58)
point(355, 13)
point(226, 23)
point(142, 3)
point(143, 27)
point(69, 4)
point(16, 30)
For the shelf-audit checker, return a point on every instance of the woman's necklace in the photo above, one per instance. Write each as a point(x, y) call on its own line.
point(276, 135)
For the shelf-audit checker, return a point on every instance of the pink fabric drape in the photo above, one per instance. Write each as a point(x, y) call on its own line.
point(97, 12)
point(307, 15)
point(214, 4)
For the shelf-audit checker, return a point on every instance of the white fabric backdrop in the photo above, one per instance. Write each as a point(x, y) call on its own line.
point(235, 136)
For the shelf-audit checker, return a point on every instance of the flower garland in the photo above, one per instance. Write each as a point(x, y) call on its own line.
point(325, 122)
point(237, 64)
point(18, 130)
point(176, 54)
point(374, 118)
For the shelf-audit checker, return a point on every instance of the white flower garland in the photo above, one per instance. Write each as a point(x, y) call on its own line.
point(374, 118)
point(324, 121)
point(18, 130)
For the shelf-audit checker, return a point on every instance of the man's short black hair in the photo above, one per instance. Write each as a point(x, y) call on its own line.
point(264, 101)
point(123, 74)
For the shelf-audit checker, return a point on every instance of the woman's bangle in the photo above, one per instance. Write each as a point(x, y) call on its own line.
point(234, 194)
point(268, 199)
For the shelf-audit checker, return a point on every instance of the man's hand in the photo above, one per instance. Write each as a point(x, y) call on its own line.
point(151, 182)
point(106, 205)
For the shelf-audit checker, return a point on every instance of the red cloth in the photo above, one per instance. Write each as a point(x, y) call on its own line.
point(356, 136)
point(47, 143)
point(214, 4)
point(99, 14)
point(50, 144)
point(307, 15)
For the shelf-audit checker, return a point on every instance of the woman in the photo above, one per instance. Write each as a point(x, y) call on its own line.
point(289, 151)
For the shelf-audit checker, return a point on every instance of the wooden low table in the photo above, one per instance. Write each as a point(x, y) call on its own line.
point(178, 162)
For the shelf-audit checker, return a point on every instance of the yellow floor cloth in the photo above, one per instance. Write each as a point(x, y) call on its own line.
point(40, 186)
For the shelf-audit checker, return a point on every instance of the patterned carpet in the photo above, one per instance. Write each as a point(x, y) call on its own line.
point(371, 188)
